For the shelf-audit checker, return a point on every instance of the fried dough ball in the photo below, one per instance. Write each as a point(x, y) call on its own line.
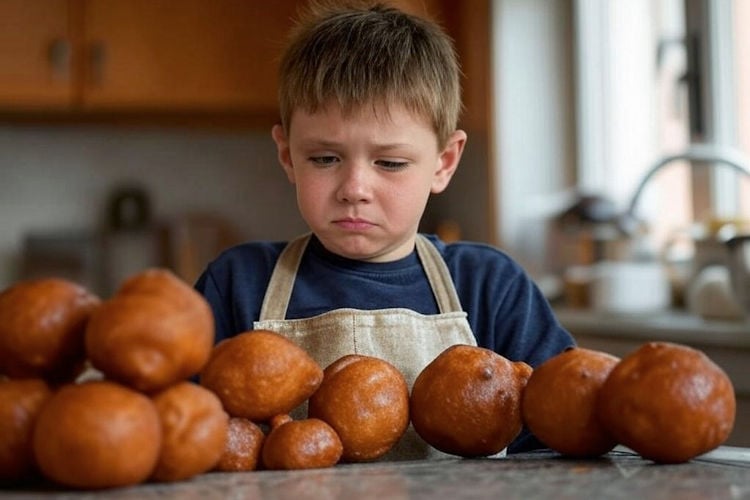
point(20, 402)
point(300, 444)
point(154, 332)
point(194, 431)
point(366, 400)
point(668, 402)
point(97, 435)
point(559, 402)
point(259, 374)
point(42, 324)
point(467, 401)
point(244, 445)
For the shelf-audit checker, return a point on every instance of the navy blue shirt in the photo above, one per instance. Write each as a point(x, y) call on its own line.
point(506, 310)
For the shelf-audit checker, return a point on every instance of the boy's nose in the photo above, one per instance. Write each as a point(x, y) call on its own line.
point(354, 183)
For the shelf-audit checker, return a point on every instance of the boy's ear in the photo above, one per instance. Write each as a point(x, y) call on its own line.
point(448, 161)
point(282, 148)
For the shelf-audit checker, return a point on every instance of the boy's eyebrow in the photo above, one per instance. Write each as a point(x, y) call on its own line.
point(319, 143)
point(333, 144)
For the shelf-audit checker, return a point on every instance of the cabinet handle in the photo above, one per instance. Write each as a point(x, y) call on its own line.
point(59, 54)
point(97, 62)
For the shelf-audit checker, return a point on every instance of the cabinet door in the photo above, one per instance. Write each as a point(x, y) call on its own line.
point(35, 54)
point(214, 55)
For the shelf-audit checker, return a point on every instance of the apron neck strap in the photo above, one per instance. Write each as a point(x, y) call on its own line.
point(438, 276)
point(280, 287)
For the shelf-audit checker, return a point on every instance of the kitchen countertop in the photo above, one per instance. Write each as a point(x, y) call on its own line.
point(723, 473)
point(671, 325)
point(727, 343)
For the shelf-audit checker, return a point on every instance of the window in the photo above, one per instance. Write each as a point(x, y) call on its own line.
point(653, 78)
point(741, 52)
point(590, 94)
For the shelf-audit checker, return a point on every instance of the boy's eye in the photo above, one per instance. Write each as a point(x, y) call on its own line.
point(323, 160)
point(392, 165)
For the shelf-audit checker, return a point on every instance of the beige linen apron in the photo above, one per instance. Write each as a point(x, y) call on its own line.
point(405, 338)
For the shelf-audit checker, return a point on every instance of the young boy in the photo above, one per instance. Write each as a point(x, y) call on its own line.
point(369, 100)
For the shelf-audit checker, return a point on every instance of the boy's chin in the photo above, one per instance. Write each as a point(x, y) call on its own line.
point(363, 247)
point(355, 247)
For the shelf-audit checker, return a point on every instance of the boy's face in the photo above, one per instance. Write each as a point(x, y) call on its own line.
point(363, 179)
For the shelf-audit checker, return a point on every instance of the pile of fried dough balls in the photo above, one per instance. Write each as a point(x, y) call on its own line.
point(99, 394)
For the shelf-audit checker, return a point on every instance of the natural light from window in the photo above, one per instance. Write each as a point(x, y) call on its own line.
point(639, 89)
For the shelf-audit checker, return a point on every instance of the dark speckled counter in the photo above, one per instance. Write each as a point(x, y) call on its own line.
point(722, 474)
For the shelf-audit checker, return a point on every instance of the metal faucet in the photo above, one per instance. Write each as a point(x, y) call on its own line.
point(707, 154)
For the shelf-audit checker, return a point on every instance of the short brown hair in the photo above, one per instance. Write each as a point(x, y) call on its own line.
point(368, 53)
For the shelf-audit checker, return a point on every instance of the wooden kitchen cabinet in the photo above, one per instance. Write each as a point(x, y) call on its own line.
point(35, 54)
point(154, 58)
point(141, 55)
point(218, 55)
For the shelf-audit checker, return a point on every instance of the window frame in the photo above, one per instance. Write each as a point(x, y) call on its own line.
point(710, 21)
point(713, 117)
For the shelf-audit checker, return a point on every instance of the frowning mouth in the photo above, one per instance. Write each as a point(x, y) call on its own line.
point(352, 223)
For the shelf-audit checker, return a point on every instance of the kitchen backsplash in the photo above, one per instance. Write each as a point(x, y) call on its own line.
point(58, 180)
